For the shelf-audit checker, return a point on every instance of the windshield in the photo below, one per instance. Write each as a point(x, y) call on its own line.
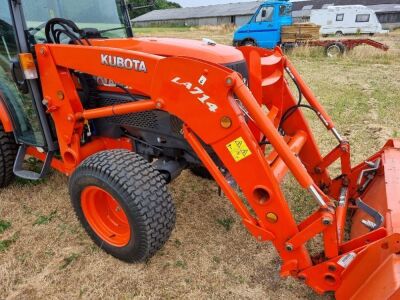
point(104, 15)
point(285, 10)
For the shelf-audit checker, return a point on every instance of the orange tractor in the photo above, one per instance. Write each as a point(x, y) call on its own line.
point(123, 116)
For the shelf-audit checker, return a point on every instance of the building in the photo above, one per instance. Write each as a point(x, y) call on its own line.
point(388, 12)
point(233, 13)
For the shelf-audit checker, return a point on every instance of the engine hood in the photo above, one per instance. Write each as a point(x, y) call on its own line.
point(219, 54)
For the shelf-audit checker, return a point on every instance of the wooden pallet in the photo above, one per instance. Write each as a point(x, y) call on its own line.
point(300, 32)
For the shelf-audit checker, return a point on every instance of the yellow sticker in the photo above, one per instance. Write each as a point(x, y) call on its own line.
point(238, 149)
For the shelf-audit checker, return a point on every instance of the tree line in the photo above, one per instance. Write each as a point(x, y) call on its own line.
point(140, 7)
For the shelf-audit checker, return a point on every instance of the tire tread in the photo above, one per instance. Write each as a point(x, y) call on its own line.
point(8, 152)
point(144, 190)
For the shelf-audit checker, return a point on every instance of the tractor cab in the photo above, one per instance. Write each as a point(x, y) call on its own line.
point(91, 23)
point(22, 26)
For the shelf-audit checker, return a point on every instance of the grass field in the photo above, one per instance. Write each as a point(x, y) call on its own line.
point(44, 252)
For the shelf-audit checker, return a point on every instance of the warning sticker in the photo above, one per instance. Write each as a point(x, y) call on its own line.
point(346, 260)
point(238, 149)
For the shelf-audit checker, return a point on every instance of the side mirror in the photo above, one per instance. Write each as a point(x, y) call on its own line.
point(18, 76)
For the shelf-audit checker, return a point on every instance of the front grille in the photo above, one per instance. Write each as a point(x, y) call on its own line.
point(176, 125)
point(147, 119)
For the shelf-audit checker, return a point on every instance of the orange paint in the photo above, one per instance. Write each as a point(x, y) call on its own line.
point(195, 88)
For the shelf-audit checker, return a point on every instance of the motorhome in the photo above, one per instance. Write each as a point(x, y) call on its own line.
point(346, 19)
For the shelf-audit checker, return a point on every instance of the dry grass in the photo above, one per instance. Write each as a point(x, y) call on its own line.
point(45, 253)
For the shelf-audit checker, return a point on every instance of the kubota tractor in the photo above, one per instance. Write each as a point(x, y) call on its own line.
point(123, 116)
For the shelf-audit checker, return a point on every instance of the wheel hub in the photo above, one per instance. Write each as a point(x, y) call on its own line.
point(105, 215)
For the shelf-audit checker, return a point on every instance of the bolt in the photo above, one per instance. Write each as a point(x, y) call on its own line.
point(43, 51)
point(289, 247)
point(271, 217)
point(45, 102)
point(318, 170)
point(327, 221)
point(60, 95)
point(229, 81)
point(259, 238)
point(332, 268)
point(226, 122)
point(158, 104)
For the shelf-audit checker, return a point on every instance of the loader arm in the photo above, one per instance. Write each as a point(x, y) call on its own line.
point(219, 110)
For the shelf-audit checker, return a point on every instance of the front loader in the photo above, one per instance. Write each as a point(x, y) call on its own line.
point(123, 116)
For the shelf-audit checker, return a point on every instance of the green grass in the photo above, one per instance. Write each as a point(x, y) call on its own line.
point(4, 225)
point(45, 219)
point(69, 260)
point(5, 244)
point(226, 223)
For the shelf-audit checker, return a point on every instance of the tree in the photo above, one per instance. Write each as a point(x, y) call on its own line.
point(144, 6)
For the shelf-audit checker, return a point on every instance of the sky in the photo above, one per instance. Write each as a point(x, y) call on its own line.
point(188, 3)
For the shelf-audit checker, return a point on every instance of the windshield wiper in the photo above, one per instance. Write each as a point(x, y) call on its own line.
point(111, 29)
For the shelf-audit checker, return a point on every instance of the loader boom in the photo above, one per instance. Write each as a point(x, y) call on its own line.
point(233, 128)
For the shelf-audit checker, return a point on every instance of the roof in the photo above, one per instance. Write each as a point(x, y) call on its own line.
point(386, 8)
point(318, 4)
point(249, 8)
point(219, 10)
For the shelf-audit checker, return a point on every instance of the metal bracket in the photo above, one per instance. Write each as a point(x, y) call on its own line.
point(30, 175)
point(369, 173)
point(378, 218)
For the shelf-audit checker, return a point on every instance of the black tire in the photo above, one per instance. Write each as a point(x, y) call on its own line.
point(334, 50)
point(201, 171)
point(8, 152)
point(141, 193)
point(249, 42)
point(339, 33)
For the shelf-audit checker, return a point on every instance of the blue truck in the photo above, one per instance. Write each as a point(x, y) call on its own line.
point(264, 28)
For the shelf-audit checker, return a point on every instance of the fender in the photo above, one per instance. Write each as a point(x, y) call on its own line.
point(5, 117)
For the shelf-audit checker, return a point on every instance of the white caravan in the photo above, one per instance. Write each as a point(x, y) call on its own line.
point(346, 19)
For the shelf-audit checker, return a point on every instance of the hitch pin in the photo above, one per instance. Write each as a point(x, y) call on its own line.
point(317, 196)
point(337, 135)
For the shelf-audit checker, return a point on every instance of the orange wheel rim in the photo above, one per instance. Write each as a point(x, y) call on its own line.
point(106, 216)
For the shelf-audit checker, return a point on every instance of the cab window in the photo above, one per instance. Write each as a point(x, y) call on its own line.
point(104, 15)
point(25, 120)
point(265, 14)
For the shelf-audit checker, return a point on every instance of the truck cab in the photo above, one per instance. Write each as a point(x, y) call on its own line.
point(264, 27)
